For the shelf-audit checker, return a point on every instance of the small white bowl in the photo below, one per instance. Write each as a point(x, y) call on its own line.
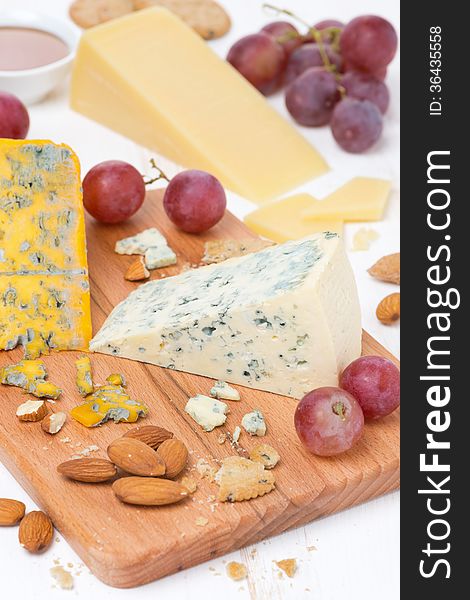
point(31, 85)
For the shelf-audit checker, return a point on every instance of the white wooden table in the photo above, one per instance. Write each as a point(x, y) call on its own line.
point(357, 551)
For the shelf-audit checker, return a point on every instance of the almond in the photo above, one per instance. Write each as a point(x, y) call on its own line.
point(88, 470)
point(388, 310)
point(137, 270)
point(148, 492)
point(32, 410)
point(387, 268)
point(11, 512)
point(36, 532)
point(53, 423)
point(175, 456)
point(135, 457)
point(151, 435)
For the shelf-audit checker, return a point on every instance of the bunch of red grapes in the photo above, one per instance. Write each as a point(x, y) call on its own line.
point(334, 74)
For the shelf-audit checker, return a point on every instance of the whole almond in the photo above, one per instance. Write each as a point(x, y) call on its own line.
point(387, 268)
point(148, 492)
point(135, 457)
point(151, 435)
point(36, 532)
point(88, 470)
point(11, 512)
point(175, 456)
point(388, 310)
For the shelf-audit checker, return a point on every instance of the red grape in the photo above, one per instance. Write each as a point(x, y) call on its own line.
point(261, 60)
point(328, 421)
point(311, 98)
point(369, 43)
point(366, 87)
point(375, 383)
point(285, 34)
point(326, 24)
point(308, 56)
point(194, 201)
point(356, 124)
point(113, 191)
point(14, 118)
point(381, 74)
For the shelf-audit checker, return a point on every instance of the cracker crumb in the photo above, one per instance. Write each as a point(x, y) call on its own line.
point(201, 521)
point(189, 484)
point(221, 439)
point(288, 565)
point(86, 451)
point(205, 470)
point(63, 578)
point(236, 570)
point(216, 251)
point(311, 548)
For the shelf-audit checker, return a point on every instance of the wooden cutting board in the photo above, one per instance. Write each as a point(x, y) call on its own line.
point(126, 546)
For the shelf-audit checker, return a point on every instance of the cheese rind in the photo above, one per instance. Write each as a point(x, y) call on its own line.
point(43, 271)
point(196, 109)
point(281, 221)
point(360, 199)
point(285, 319)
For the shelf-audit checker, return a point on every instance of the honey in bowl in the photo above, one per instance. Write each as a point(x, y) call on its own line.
point(22, 48)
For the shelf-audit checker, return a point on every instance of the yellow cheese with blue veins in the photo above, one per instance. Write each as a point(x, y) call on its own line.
point(44, 288)
point(30, 375)
point(106, 403)
point(84, 377)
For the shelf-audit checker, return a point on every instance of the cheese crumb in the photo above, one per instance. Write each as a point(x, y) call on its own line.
point(288, 565)
point(363, 238)
point(64, 578)
point(236, 571)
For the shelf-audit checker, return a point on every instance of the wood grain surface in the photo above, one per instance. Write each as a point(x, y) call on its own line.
point(126, 546)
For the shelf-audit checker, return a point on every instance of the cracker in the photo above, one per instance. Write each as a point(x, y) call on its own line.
point(266, 455)
point(242, 479)
point(88, 13)
point(206, 17)
point(216, 251)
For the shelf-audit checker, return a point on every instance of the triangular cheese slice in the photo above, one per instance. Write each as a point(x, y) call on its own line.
point(360, 199)
point(285, 319)
point(150, 77)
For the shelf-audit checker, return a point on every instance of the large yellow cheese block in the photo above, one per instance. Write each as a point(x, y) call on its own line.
point(360, 199)
point(281, 221)
point(149, 77)
point(44, 289)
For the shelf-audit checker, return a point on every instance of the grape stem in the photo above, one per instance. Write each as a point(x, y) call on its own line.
point(161, 174)
point(315, 34)
point(339, 409)
point(284, 11)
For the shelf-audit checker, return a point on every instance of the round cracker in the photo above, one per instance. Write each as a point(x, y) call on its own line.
point(206, 17)
point(88, 13)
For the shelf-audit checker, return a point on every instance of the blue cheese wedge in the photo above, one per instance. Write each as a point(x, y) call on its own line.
point(223, 391)
point(152, 245)
point(207, 412)
point(253, 423)
point(285, 319)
